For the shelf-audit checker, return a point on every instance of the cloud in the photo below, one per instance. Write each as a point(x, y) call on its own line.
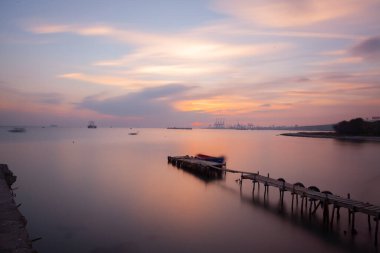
point(147, 102)
point(293, 13)
point(238, 29)
point(226, 105)
point(112, 80)
point(195, 50)
point(368, 49)
point(155, 59)
point(338, 61)
point(122, 35)
point(51, 98)
point(190, 45)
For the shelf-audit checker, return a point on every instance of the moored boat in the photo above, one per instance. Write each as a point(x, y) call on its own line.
point(216, 159)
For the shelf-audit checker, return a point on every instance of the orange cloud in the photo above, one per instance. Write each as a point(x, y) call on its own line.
point(227, 105)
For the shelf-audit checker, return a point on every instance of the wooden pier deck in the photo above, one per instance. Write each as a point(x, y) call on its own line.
point(307, 194)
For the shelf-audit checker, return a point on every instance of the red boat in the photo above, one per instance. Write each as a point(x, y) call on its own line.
point(216, 159)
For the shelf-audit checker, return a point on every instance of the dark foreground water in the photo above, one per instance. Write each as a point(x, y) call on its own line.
point(103, 190)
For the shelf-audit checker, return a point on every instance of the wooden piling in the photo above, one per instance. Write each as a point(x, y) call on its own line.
point(332, 216)
point(292, 200)
point(338, 213)
point(326, 212)
point(353, 230)
point(369, 223)
point(310, 209)
point(376, 230)
point(348, 209)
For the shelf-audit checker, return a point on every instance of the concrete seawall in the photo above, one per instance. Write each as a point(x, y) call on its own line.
point(14, 237)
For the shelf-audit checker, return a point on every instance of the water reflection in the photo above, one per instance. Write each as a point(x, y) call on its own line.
point(329, 233)
point(298, 216)
point(111, 192)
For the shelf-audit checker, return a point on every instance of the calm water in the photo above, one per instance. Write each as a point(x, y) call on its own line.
point(103, 190)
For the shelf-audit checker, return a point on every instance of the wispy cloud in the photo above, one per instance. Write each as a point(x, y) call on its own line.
point(155, 59)
point(121, 35)
point(112, 80)
point(49, 98)
point(277, 13)
point(338, 61)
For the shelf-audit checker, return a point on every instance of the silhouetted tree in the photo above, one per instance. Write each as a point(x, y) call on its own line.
point(358, 127)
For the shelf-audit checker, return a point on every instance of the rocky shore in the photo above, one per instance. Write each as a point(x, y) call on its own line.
point(14, 237)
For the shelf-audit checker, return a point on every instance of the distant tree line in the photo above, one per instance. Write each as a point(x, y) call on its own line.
point(358, 126)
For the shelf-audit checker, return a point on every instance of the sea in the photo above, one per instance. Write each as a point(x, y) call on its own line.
point(103, 190)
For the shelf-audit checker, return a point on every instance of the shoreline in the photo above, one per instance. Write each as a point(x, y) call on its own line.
point(329, 135)
point(13, 237)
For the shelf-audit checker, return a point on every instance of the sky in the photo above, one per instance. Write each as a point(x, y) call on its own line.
point(163, 63)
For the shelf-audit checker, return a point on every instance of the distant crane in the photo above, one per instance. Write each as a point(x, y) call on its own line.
point(219, 123)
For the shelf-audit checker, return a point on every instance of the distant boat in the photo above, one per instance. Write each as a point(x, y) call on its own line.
point(17, 130)
point(181, 128)
point(216, 159)
point(91, 124)
point(133, 132)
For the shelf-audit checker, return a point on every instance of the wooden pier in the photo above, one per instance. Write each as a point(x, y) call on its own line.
point(312, 194)
point(205, 170)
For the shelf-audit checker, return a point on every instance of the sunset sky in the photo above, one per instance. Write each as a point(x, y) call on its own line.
point(181, 63)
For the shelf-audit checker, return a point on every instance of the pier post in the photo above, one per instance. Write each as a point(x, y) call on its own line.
point(292, 200)
point(306, 203)
point(310, 209)
point(282, 198)
point(338, 213)
point(376, 230)
point(349, 211)
point(326, 212)
point(332, 216)
point(316, 206)
point(369, 223)
point(241, 184)
point(258, 184)
point(353, 230)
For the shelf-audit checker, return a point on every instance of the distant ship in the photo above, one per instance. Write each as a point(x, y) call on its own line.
point(133, 132)
point(91, 124)
point(182, 128)
point(17, 130)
